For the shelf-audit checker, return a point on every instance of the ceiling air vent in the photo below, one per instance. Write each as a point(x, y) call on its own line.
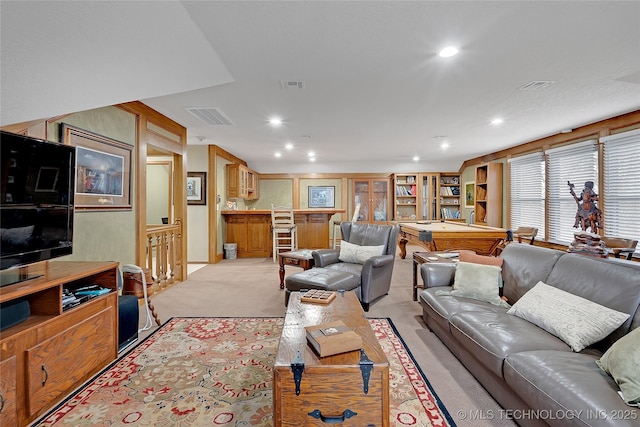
point(536, 84)
point(210, 115)
point(292, 84)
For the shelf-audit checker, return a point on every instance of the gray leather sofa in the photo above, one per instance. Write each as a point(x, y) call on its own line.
point(371, 279)
point(533, 375)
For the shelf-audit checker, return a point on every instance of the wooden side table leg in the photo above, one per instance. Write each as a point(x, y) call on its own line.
point(415, 279)
point(281, 273)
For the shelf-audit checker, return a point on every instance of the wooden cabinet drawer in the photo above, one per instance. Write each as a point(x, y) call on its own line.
point(64, 361)
point(8, 391)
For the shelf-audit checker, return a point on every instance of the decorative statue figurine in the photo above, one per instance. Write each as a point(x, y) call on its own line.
point(588, 215)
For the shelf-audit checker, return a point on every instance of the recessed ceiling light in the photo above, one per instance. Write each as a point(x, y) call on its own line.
point(275, 121)
point(278, 154)
point(311, 154)
point(288, 146)
point(416, 158)
point(496, 121)
point(444, 145)
point(312, 159)
point(448, 52)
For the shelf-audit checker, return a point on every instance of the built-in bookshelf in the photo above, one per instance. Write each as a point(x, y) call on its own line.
point(488, 197)
point(406, 196)
point(426, 196)
point(449, 196)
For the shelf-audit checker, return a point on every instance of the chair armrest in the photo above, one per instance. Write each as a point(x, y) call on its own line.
point(324, 257)
point(378, 261)
point(437, 274)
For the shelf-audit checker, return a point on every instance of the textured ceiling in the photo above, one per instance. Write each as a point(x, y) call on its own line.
point(375, 92)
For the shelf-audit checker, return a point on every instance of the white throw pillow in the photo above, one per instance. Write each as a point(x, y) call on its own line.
point(478, 281)
point(357, 254)
point(575, 320)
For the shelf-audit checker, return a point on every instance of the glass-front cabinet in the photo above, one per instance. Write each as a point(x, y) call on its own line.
point(373, 196)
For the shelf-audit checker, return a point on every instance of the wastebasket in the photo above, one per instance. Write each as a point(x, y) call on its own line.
point(230, 250)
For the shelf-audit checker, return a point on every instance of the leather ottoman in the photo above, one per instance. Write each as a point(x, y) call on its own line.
point(320, 278)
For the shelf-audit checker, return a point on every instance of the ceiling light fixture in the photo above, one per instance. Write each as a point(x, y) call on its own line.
point(312, 159)
point(311, 154)
point(444, 145)
point(416, 158)
point(278, 154)
point(288, 146)
point(275, 121)
point(448, 52)
point(496, 121)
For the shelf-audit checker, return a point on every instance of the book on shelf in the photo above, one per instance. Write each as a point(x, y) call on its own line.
point(332, 338)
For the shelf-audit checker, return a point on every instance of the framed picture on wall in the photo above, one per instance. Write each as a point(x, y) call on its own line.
point(196, 188)
point(469, 194)
point(103, 170)
point(322, 197)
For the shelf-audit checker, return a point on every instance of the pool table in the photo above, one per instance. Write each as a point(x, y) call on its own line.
point(451, 235)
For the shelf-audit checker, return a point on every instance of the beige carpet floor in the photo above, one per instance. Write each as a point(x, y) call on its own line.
point(250, 287)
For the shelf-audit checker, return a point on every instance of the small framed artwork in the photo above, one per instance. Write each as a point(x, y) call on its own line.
point(196, 188)
point(469, 194)
point(103, 170)
point(322, 197)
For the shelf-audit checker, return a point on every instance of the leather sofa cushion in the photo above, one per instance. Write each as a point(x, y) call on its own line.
point(347, 267)
point(492, 336)
point(570, 385)
point(524, 266)
point(444, 306)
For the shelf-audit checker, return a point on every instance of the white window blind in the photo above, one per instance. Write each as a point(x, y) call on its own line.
point(575, 163)
point(621, 185)
point(527, 192)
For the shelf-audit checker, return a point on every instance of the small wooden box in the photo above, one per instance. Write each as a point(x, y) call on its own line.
point(329, 387)
point(329, 343)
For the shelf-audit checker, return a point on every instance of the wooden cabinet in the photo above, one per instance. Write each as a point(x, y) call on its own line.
point(252, 234)
point(54, 351)
point(449, 196)
point(242, 182)
point(373, 194)
point(8, 391)
point(488, 197)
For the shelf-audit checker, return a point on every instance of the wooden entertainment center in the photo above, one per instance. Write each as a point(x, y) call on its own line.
point(53, 351)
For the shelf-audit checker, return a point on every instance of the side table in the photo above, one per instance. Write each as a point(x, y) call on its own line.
point(301, 258)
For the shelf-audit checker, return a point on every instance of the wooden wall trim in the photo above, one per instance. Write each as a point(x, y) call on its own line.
point(612, 125)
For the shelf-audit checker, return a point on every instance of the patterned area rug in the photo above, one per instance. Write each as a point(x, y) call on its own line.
point(218, 372)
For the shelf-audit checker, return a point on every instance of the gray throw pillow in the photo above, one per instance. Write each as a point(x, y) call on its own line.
point(622, 362)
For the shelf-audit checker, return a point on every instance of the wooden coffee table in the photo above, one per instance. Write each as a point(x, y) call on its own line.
point(351, 389)
point(301, 258)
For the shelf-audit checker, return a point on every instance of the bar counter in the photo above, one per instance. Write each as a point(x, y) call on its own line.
point(251, 230)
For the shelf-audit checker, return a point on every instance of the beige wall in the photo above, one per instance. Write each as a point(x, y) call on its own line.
point(198, 215)
point(104, 235)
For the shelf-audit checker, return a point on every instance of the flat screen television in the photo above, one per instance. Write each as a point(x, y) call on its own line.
point(36, 202)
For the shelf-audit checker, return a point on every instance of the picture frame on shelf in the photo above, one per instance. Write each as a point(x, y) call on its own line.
point(196, 188)
point(103, 170)
point(322, 197)
point(469, 194)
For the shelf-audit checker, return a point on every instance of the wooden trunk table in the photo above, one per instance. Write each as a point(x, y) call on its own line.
point(349, 389)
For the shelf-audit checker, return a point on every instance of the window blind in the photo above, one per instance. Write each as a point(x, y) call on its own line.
point(621, 161)
point(527, 192)
point(575, 163)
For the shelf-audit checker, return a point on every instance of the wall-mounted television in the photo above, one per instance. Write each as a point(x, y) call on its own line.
point(36, 202)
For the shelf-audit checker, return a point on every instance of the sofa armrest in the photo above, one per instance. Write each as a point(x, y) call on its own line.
point(437, 274)
point(324, 257)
